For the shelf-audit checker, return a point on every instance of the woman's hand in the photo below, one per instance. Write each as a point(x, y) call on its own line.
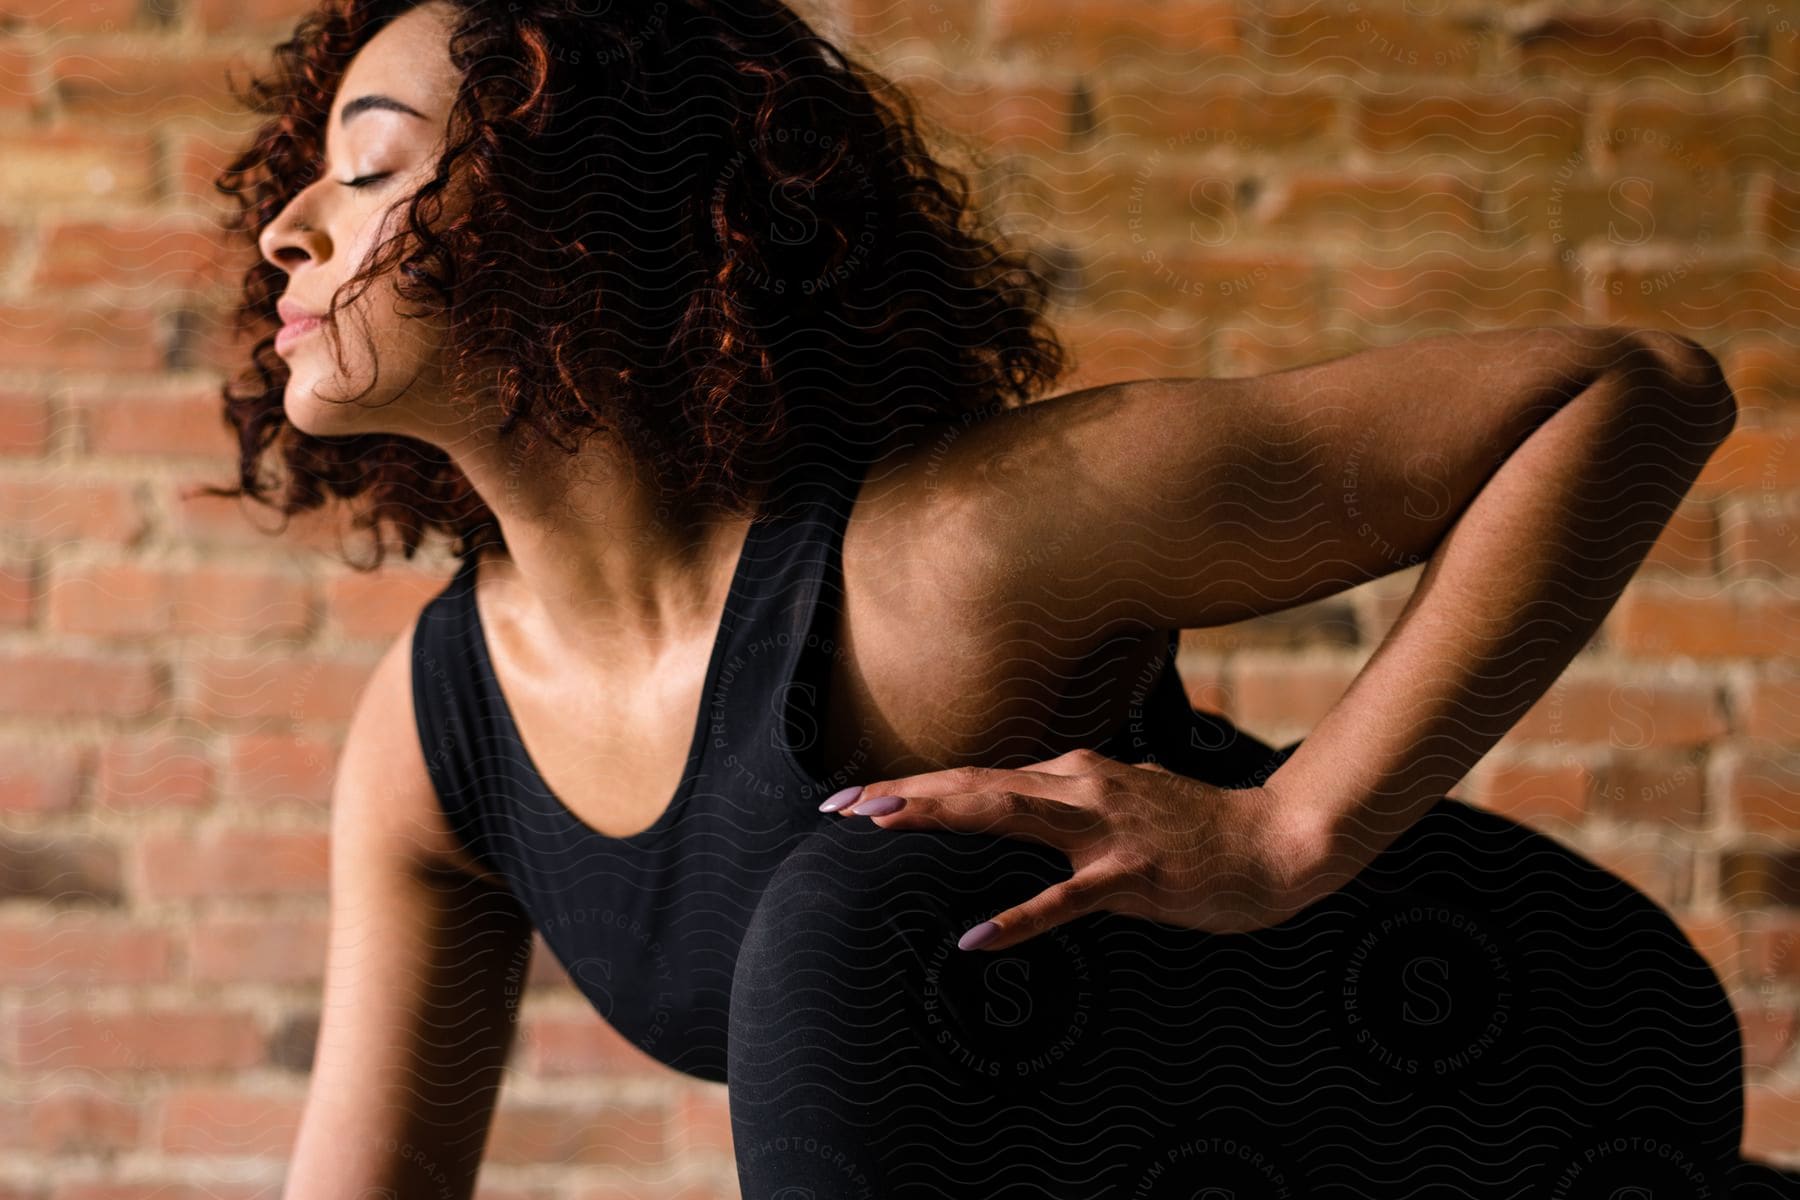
point(1143, 841)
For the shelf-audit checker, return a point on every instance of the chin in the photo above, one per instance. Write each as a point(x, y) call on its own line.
point(314, 416)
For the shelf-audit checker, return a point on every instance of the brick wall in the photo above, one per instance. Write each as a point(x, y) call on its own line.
point(1226, 189)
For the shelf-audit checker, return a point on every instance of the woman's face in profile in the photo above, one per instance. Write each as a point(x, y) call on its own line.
point(383, 136)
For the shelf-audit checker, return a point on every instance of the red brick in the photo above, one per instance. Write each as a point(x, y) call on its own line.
point(157, 422)
point(1463, 290)
point(1770, 707)
point(1583, 707)
point(1079, 35)
point(1389, 208)
point(43, 685)
point(1758, 877)
point(703, 1120)
point(54, 1037)
point(556, 1046)
point(378, 606)
point(215, 862)
point(1462, 125)
point(21, 66)
point(79, 336)
point(26, 425)
point(73, 952)
point(1686, 292)
point(1754, 460)
point(224, 1121)
point(43, 776)
point(1769, 1030)
point(1688, 544)
point(60, 868)
point(209, 521)
point(1771, 951)
point(1250, 347)
point(237, 689)
point(1716, 937)
point(1296, 37)
point(1193, 281)
point(1764, 793)
point(1274, 692)
point(1629, 44)
point(1576, 207)
point(1659, 867)
point(1655, 789)
point(175, 253)
point(69, 164)
point(1029, 116)
point(625, 1133)
point(1765, 376)
point(99, 16)
point(946, 26)
point(1771, 1115)
point(161, 770)
point(259, 949)
point(132, 599)
point(151, 80)
point(1215, 115)
point(57, 509)
point(1761, 535)
point(18, 591)
point(82, 1120)
point(267, 769)
point(1682, 129)
point(1774, 204)
point(1535, 793)
point(237, 16)
point(1111, 351)
point(1656, 623)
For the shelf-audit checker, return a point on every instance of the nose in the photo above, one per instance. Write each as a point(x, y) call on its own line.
point(290, 239)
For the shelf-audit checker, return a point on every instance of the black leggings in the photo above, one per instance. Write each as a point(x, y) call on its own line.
point(1480, 1012)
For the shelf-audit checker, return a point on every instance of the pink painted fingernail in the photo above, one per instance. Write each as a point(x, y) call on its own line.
point(981, 935)
point(838, 799)
point(878, 806)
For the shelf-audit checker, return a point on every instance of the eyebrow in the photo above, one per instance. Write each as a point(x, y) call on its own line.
point(363, 104)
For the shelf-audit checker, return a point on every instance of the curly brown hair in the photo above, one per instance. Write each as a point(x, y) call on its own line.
point(703, 229)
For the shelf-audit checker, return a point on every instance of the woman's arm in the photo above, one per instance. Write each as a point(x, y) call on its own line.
point(1533, 468)
point(1517, 586)
point(424, 973)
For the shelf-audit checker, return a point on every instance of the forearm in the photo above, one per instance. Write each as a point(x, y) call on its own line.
point(1510, 594)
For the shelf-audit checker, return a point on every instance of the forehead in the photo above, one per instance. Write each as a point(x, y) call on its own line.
point(408, 60)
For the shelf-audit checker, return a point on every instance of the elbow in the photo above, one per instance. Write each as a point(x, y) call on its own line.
point(1688, 378)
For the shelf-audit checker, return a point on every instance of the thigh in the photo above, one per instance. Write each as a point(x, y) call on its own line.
point(1478, 1005)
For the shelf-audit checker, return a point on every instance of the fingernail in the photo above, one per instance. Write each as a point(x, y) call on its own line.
point(981, 935)
point(838, 799)
point(878, 806)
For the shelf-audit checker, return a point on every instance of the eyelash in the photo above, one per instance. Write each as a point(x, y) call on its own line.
point(362, 181)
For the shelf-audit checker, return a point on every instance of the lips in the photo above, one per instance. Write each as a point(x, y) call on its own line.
point(294, 329)
point(292, 311)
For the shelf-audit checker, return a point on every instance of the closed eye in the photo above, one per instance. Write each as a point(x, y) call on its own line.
point(362, 181)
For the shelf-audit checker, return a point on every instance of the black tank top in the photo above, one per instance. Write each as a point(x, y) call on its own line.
point(648, 926)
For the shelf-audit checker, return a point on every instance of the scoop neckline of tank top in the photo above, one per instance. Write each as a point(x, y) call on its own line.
point(697, 738)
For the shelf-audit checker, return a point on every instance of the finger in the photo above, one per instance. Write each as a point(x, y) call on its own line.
point(1004, 813)
point(953, 781)
point(927, 783)
point(1075, 896)
point(1078, 761)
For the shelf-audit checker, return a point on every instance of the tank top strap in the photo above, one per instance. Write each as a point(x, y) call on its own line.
point(773, 650)
point(447, 707)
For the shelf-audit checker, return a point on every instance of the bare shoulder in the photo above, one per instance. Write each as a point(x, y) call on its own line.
point(934, 672)
point(382, 778)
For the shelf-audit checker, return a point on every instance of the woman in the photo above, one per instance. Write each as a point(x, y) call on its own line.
point(664, 313)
